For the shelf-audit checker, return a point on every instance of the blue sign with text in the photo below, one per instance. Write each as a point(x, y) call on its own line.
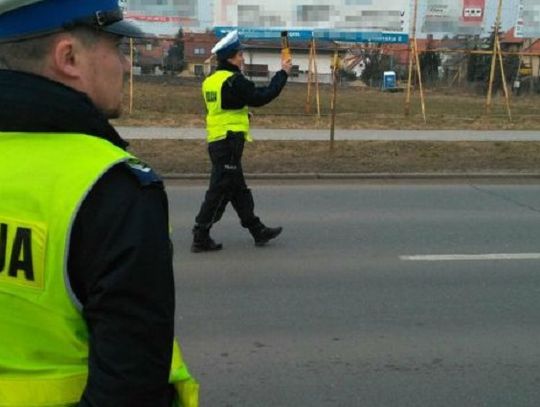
point(323, 35)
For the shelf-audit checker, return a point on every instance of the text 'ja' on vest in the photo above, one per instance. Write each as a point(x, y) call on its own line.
point(22, 253)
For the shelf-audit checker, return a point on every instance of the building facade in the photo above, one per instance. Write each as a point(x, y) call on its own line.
point(206, 14)
point(164, 8)
point(263, 60)
point(163, 17)
point(359, 15)
point(197, 52)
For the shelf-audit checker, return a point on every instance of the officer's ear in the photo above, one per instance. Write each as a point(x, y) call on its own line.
point(66, 58)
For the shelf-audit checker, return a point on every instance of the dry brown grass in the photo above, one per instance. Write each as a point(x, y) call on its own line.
point(183, 156)
point(168, 101)
point(177, 102)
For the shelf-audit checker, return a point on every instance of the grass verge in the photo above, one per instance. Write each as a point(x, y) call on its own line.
point(281, 157)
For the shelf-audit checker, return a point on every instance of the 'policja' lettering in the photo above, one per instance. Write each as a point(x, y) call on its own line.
point(3, 246)
point(20, 258)
point(211, 97)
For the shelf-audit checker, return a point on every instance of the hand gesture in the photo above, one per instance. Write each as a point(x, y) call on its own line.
point(287, 66)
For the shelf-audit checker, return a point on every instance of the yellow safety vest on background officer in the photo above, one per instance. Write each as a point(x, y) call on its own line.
point(218, 120)
point(44, 350)
point(228, 96)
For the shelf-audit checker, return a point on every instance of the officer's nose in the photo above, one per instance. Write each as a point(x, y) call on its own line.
point(126, 63)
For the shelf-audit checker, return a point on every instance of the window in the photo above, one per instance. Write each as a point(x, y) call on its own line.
point(248, 15)
point(198, 70)
point(199, 51)
point(256, 70)
point(313, 14)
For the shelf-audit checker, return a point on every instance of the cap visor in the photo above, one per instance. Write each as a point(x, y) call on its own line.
point(126, 29)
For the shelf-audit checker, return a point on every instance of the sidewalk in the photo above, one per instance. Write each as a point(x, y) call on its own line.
point(504, 177)
point(322, 135)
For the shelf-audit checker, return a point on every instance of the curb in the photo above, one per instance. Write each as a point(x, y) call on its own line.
point(365, 176)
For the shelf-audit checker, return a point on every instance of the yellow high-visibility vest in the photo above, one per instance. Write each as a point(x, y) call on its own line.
point(44, 179)
point(218, 120)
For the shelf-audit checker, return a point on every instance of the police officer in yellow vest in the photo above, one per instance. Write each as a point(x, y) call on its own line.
point(86, 281)
point(228, 94)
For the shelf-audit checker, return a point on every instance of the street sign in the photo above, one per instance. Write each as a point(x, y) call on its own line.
point(323, 35)
point(264, 33)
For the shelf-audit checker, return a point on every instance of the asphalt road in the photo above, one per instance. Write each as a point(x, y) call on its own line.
point(337, 312)
point(340, 134)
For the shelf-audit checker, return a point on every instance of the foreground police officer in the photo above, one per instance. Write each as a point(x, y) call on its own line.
point(86, 280)
point(228, 94)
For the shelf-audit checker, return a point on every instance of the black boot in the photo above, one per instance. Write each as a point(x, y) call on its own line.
point(202, 242)
point(263, 234)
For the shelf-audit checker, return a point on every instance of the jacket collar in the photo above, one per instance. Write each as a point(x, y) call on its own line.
point(32, 103)
point(224, 65)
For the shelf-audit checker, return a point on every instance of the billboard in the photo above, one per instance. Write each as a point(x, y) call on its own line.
point(331, 17)
point(161, 17)
point(169, 8)
point(528, 23)
point(454, 16)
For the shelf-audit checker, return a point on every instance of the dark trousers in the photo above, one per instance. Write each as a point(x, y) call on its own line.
point(227, 184)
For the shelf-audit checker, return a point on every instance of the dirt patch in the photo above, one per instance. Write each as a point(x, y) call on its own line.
point(188, 157)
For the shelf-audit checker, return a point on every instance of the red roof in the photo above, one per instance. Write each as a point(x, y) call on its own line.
point(534, 47)
point(510, 38)
point(200, 37)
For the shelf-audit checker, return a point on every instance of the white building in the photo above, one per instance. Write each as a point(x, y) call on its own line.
point(358, 15)
point(263, 59)
point(206, 14)
point(165, 8)
point(163, 17)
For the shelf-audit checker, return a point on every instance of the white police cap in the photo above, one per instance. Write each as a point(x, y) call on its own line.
point(228, 45)
point(20, 19)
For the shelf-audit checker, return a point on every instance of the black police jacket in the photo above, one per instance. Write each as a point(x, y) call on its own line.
point(238, 91)
point(120, 257)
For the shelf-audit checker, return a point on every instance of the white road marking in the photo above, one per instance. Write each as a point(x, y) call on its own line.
point(472, 257)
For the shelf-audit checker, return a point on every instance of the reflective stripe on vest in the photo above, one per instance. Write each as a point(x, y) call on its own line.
point(43, 180)
point(219, 121)
point(50, 392)
point(186, 387)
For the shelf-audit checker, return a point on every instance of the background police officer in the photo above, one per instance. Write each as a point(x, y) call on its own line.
point(86, 281)
point(228, 94)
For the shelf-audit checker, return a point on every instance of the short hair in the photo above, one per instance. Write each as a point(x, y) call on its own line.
point(29, 55)
point(228, 55)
